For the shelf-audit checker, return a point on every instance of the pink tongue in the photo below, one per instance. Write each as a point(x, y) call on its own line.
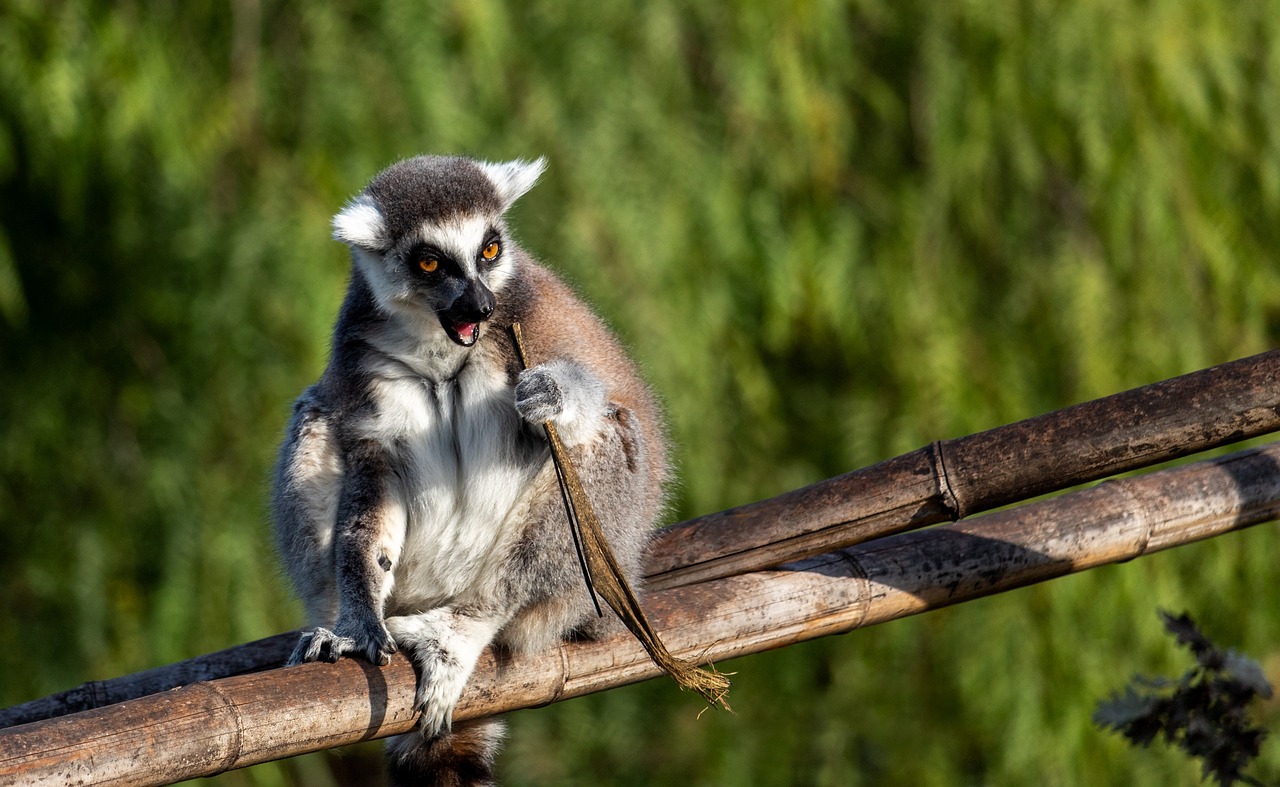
point(467, 330)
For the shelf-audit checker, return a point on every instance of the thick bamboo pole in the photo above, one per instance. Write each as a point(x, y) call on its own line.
point(944, 481)
point(238, 660)
point(209, 727)
point(951, 479)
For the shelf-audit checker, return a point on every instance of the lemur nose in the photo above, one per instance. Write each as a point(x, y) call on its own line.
point(485, 302)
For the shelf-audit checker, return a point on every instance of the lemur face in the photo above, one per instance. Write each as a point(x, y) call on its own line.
point(451, 268)
point(428, 235)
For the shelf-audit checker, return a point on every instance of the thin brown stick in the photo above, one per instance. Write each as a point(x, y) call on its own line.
point(210, 727)
point(560, 460)
point(1126, 431)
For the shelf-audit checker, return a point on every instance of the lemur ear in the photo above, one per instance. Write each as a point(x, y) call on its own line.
point(513, 178)
point(361, 224)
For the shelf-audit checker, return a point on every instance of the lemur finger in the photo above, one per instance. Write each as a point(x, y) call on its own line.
point(379, 651)
point(368, 639)
point(320, 645)
point(300, 650)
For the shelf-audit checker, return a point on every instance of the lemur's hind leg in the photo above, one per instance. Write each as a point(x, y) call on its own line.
point(443, 644)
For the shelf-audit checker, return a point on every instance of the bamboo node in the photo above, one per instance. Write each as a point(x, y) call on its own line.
point(937, 457)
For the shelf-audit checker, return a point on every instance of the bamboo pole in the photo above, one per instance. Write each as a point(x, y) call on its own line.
point(944, 481)
point(952, 479)
point(210, 727)
point(249, 657)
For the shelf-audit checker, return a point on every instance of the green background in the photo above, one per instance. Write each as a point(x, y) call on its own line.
point(831, 232)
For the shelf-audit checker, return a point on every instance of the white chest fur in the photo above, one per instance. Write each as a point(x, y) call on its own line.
point(462, 464)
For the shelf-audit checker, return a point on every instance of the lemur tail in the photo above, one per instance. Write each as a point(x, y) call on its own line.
point(461, 758)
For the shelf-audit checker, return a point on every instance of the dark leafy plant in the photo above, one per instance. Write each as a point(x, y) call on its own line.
point(1204, 713)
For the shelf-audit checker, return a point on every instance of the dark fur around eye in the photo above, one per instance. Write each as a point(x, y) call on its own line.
point(419, 256)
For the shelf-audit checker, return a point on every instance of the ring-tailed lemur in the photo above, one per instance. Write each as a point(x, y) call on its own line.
point(416, 504)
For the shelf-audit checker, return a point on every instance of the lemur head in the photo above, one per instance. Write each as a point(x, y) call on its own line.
point(429, 237)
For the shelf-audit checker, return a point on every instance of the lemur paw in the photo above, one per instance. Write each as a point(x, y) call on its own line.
point(435, 700)
point(436, 644)
point(566, 392)
point(373, 644)
point(539, 397)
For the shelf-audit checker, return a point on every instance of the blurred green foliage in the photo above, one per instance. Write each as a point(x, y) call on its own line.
point(832, 232)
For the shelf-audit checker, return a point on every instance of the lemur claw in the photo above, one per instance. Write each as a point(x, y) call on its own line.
point(433, 722)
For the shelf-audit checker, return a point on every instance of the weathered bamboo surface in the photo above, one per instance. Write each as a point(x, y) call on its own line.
point(209, 727)
point(249, 657)
point(951, 479)
point(944, 481)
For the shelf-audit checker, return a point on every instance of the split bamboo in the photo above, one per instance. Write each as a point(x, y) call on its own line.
point(210, 727)
point(943, 481)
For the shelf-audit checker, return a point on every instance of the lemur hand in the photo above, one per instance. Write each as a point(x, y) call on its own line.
point(369, 640)
point(560, 390)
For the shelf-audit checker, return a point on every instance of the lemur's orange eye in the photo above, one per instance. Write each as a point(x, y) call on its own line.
point(429, 264)
point(491, 251)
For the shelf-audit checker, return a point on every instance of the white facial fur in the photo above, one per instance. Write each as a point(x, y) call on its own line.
point(389, 290)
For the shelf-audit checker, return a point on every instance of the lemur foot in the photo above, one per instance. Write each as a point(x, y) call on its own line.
point(435, 700)
point(321, 644)
point(443, 648)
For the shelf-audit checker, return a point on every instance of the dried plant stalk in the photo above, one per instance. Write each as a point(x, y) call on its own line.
point(604, 576)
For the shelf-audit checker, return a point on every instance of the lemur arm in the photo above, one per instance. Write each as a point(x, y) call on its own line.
point(362, 566)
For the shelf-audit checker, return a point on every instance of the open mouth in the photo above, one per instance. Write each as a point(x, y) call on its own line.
point(463, 333)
